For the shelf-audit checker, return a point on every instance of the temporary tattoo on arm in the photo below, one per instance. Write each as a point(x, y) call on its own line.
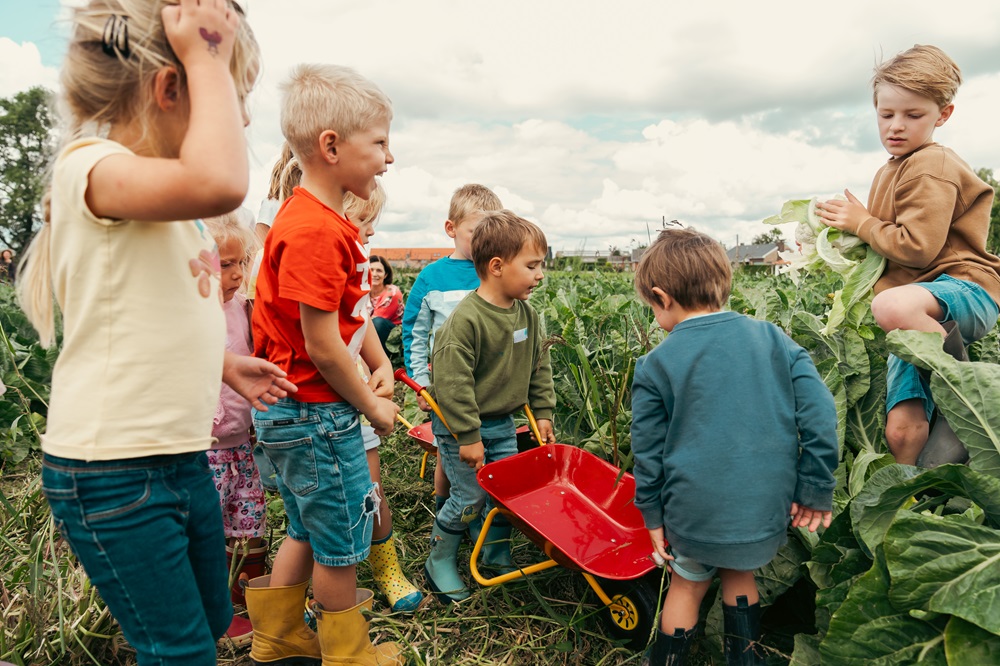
point(213, 39)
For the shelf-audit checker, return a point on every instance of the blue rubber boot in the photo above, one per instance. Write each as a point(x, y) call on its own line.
point(441, 569)
point(495, 553)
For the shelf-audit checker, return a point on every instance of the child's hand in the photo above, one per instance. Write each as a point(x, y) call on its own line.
point(257, 380)
point(656, 536)
point(383, 416)
point(423, 404)
point(201, 30)
point(204, 267)
point(472, 455)
point(545, 430)
point(803, 516)
point(846, 215)
point(381, 382)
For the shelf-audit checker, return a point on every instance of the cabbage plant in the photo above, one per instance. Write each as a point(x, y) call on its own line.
point(824, 248)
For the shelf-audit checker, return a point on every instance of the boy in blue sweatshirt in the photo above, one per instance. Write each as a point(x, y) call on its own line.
point(733, 431)
point(438, 289)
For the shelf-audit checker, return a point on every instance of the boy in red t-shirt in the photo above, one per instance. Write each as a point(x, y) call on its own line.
point(311, 319)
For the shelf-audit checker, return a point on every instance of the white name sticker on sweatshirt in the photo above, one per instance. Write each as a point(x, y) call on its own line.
point(521, 335)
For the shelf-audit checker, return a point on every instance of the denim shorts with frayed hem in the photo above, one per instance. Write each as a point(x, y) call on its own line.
point(967, 304)
point(148, 532)
point(322, 474)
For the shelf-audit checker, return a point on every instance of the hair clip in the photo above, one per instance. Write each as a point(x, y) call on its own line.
point(114, 40)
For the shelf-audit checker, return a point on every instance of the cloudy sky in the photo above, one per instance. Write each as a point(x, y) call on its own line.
point(599, 119)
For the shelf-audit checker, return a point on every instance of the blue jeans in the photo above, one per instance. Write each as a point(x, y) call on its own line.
point(467, 497)
point(967, 304)
point(322, 474)
point(148, 532)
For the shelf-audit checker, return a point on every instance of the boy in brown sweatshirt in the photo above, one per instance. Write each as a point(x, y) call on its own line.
point(928, 214)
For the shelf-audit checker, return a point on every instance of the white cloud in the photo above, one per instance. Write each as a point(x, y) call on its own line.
point(21, 68)
point(597, 123)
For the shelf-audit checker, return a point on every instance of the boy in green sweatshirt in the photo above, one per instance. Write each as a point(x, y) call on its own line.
point(488, 362)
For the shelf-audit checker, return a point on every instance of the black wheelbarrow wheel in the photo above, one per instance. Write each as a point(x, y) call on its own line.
point(633, 609)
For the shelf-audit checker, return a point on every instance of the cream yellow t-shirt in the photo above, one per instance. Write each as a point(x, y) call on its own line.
point(139, 370)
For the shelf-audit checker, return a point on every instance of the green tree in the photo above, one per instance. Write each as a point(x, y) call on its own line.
point(26, 144)
point(993, 239)
point(772, 236)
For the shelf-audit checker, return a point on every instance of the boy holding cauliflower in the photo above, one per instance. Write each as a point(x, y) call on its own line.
point(928, 214)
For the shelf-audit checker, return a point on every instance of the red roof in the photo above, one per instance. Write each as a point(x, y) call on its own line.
point(422, 254)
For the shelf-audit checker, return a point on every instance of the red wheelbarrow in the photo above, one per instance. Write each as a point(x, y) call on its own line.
point(580, 511)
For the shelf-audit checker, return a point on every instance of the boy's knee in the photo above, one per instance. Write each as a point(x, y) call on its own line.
point(904, 307)
point(889, 310)
point(906, 439)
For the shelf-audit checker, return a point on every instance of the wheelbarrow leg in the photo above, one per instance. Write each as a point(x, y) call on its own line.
point(477, 548)
point(496, 546)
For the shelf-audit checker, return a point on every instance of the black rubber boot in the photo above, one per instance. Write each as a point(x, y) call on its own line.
point(943, 445)
point(669, 650)
point(741, 624)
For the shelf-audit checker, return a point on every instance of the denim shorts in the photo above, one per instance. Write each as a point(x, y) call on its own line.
point(467, 499)
point(322, 474)
point(964, 302)
point(265, 468)
point(690, 569)
point(371, 440)
point(148, 532)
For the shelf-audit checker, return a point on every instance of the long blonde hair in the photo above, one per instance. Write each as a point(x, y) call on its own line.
point(102, 87)
point(286, 174)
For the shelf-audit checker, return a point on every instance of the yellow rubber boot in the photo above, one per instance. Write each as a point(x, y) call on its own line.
point(280, 634)
point(343, 635)
point(402, 595)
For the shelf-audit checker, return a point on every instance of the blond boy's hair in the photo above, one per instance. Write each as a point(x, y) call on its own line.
point(924, 70)
point(317, 98)
point(503, 234)
point(472, 198)
point(359, 210)
point(687, 265)
point(233, 226)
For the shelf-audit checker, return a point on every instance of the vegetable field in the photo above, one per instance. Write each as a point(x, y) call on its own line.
point(908, 572)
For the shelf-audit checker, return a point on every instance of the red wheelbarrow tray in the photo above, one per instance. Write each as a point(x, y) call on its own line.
point(573, 506)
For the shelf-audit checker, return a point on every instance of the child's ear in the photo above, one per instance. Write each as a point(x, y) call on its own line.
point(496, 267)
point(327, 142)
point(166, 88)
point(450, 228)
point(945, 115)
point(663, 297)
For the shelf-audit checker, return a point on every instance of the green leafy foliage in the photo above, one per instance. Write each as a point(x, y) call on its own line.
point(25, 150)
point(26, 372)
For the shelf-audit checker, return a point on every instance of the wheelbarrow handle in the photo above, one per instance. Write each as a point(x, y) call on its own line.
point(534, 425)
point(401, 376)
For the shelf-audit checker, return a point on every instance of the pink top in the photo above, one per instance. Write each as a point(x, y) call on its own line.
point(388, 305)
point(233, 419)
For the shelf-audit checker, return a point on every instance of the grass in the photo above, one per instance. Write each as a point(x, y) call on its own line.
point(51, 615)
